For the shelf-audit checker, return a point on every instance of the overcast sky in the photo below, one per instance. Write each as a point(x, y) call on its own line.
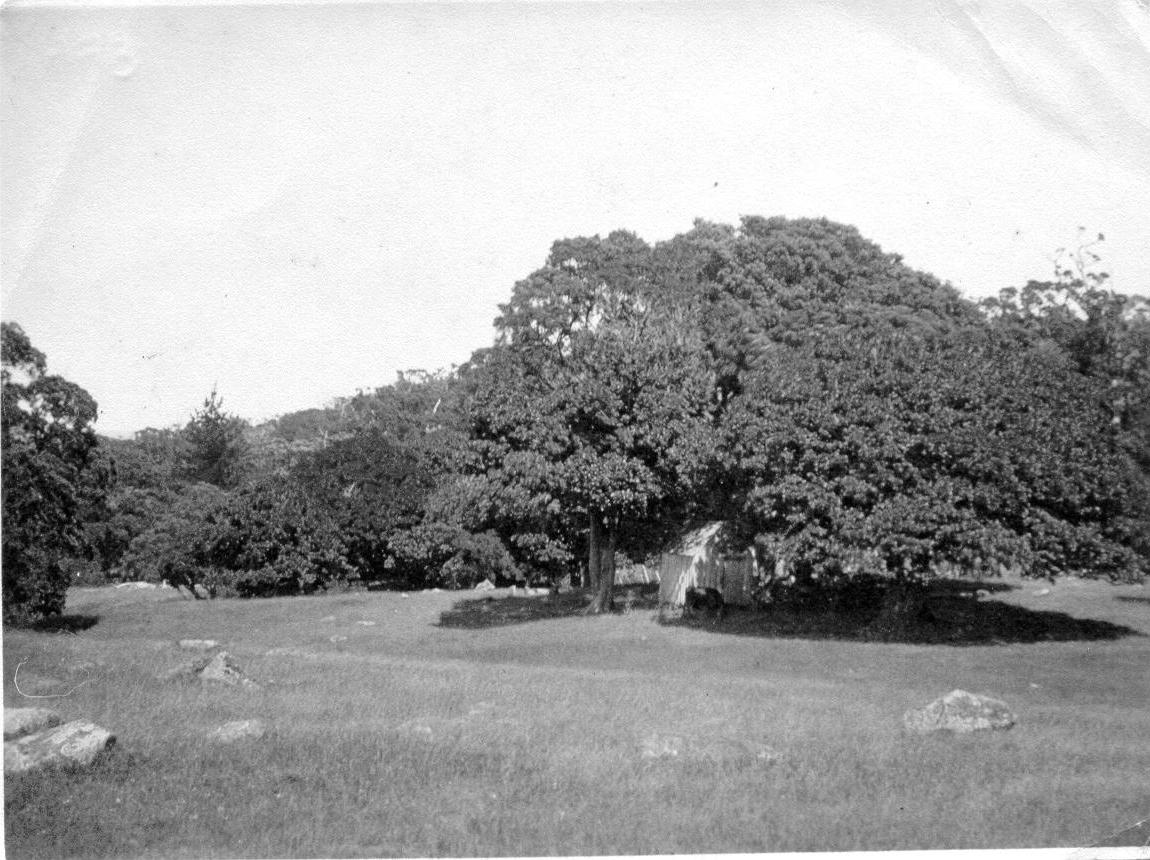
point(293, 202)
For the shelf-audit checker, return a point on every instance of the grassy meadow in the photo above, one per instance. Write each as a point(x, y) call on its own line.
point(417, 725)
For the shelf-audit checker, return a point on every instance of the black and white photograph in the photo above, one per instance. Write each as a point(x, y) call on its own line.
point(591, 428)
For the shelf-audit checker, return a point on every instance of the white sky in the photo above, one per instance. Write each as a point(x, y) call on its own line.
point(296, 201)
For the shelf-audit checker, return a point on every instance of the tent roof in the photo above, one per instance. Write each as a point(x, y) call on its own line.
point(696, 539)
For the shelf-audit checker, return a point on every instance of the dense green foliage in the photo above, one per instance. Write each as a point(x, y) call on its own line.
point(876, 423)
point(373, 488)
point(596, 401)
point(1105, 334)
point(47, 448)
point(215, 445)
point(848, 415)
point(177, 542)
point(896, 455)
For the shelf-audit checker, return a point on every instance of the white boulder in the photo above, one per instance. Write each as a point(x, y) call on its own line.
point(77, 742)
point(961, 712)
point(23, 721)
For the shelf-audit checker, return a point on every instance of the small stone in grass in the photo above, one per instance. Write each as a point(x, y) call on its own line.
point(224, 670)
point(961, 712)
point(199, 644)
point(238, 730)
point(655, 745)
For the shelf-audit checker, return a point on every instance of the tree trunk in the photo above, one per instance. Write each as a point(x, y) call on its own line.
point(594, 553)
point(602, 555)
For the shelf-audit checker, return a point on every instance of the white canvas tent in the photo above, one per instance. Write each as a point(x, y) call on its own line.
point(695, 561)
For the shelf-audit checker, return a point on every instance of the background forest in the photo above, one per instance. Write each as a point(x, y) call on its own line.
point(853, 419)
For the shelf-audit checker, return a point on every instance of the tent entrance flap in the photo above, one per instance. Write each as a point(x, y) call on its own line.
point(675, 574)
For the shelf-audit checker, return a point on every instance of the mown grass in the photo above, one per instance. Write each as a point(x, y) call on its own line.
point(419, 736)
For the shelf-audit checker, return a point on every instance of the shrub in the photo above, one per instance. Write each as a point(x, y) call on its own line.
point(180, 545)
point(438, 553)
point(275, 540)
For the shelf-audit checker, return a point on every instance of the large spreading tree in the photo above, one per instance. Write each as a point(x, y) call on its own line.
point(47, 444)
point(877, 423)
point(595, 405)
point(848, 412)
point(907, 456)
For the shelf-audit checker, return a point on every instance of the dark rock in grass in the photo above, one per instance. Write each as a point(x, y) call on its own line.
point(961, 712)
point(199, 644)
point(222, 669)
point(77, 742)
point(23, 721)
point(238, 730)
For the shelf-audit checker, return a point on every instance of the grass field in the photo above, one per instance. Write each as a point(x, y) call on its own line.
point(432, 731)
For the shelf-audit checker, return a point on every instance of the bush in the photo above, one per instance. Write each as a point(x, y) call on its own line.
point(441, 554)
point(180, 545)
point(276, 541)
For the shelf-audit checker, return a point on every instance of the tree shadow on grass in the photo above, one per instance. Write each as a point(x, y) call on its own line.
point(1126, 598)
point(72, 623)
point(951, 615)
point(501, 611)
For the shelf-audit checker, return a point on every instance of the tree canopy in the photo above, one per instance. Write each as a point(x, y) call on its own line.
point(47, 444)
point(898, 454)
point(596, 401)
point(215, 445)
point(849, 415)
